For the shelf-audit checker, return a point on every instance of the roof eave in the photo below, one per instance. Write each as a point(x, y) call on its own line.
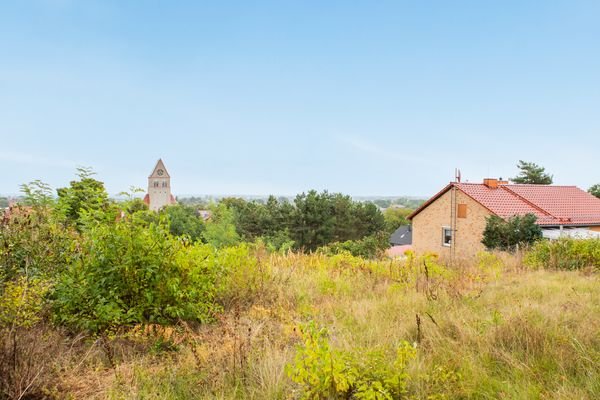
point(431, 200)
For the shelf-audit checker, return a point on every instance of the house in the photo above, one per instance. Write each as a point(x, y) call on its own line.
point(451, 223)
point(159, 188)
point(401, 236)
point(400, 241)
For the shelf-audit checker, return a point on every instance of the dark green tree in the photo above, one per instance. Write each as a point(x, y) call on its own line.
point(252, 219)
point(323, 218)
point(508, 235)
point(313, 222)
point(595, 190)
point(532, 173)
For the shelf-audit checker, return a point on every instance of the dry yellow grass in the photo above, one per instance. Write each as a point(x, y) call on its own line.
point(509, 332)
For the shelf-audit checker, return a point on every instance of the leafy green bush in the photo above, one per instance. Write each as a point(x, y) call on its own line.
point(127, 272)
point(509, 234)
point(279, 241)
point(324, 373)
point(84, 199)
point(184, 220)
point(32, 244)
point(565, 253)
point(220, 229)
point(22, 301)
point(367, 247)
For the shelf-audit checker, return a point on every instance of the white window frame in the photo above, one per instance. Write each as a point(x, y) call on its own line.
point(444, 229)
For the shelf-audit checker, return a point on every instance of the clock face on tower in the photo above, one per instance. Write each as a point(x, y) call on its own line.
point(160, 172)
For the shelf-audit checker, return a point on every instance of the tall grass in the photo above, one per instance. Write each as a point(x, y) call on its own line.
point(488, 329)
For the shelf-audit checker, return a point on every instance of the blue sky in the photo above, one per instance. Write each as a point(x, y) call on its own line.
point(244, 97)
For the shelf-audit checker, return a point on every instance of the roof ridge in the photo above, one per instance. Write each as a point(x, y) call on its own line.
point(528, 201)
point(538, 185)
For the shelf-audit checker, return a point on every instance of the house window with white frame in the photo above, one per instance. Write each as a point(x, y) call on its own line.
point(446, 236)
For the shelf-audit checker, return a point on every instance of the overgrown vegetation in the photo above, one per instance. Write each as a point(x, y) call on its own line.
point(568, 254)
point(106, 300)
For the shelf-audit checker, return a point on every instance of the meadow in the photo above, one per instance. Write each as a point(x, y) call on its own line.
point(336, 327)
point(109, 303)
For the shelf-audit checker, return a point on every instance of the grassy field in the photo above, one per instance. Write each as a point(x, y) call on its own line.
point(308, 326)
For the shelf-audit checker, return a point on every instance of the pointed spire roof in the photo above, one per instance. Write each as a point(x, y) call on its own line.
point(159, 171)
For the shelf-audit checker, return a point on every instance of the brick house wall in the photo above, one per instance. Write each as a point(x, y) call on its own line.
point(428, 225)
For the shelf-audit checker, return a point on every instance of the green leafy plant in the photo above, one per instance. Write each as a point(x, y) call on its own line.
point(128, 272)
point(220, 230)
point(325, 373)
point(565, 253)
point(368, 247)
point(509, 234)
point(84, 199)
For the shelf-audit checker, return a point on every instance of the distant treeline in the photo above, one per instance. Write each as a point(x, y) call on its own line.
point(204, 201)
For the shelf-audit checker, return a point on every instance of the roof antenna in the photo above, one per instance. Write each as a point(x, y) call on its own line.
point(457, 175)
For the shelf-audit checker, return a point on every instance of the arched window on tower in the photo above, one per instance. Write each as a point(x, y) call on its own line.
point(155, 184)
point(164, 184)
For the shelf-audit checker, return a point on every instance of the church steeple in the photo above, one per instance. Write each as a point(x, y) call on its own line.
point(159, 188)
point(159, 171)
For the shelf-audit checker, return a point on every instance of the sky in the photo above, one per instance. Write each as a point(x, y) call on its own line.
point(252, 97)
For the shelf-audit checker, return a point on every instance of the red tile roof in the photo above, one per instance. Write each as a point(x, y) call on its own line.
point(568, 204)
point(552, 205)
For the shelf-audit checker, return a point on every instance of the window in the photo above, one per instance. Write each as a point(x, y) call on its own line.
point(446, 236)
point(164, 184)
point(155, 183)
point(462, 211)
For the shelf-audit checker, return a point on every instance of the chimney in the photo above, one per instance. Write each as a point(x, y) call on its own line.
point(492, 183)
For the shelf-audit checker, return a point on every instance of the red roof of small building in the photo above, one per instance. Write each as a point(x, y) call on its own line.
point(552, 205)
point(398, 251)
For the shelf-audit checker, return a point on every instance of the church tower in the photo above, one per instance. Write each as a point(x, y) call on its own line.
point(159, 188)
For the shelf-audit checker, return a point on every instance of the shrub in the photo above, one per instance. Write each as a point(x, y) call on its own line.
point(27, 347)
point(21, 302)
point(326, 373)
point(32, 244)
point(565, 253)
point(509, 234)
point(184, 220)
point(128, 273)
point(220, 229)
point(368, 247)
